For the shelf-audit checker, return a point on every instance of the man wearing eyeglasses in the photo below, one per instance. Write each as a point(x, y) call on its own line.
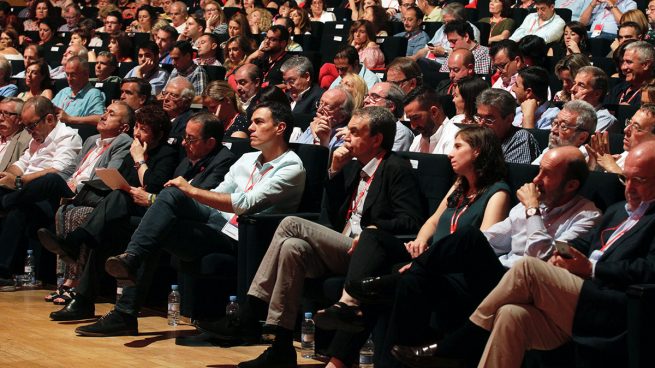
point(334, 110)
point(113, 23)
point(72, 15)
point(176, 98)
point(507, 61)
point(272, 54)
point(301, 89)
point(416, 37)
point(389, 95)
point(13, 138)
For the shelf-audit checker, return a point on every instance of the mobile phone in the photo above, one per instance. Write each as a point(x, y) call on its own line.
point(430, 44)
point(563, 248)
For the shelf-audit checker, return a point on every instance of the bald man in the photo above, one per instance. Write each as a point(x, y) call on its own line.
point(461, 63)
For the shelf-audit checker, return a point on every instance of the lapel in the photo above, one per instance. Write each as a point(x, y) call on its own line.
point(624, 241)
point(9, 153)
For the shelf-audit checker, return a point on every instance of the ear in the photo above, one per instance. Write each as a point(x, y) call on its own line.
point(214, 46)
point(281, 128)
point(529, 94)
point(212, 142)
point(572, 185)
point(125, 128)
point(434, 110)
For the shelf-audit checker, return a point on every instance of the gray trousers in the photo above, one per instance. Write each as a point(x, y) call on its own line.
point(299, 249)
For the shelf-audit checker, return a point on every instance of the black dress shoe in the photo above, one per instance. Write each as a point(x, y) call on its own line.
point(423, 357)
point(69, 253)
point(274, 357)
point(76, 309)
point(373, 290)
point(123, 267)
point(342, 317)
point(114, 323)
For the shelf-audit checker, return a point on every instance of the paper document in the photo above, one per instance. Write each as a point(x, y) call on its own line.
point(113, 179)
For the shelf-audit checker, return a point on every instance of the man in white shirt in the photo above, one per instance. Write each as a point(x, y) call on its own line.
point(389, 95)
point(545, 23)
point(178, 16)
point(506, 59)
point(426, 116)
point(591, 84)
point(13, 138)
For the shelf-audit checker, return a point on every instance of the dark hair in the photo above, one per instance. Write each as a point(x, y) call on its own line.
point(418, 11)
point(576, 169)
point(287, 22)
point(46, 83)
point(510, 46)
point(150, 46)
point(13, 35)
point(84, 33)
point(489, 165)
point(184, 47)
point(469, 88)
point(51, 9)
point(368, 26)
point(125, 46)
point(547, 2)
point(536, 78)
point(151, 11)
point(145, 89)
point(581, 30)
point(116, 14)
point(461, 27)
point(308, 6)
point(281, 113)
point(53, 24)
point(348, 52)
point(426, 97)
point(408, 67)
point(282, 30)
point(533, 48)
point(380, 121)
point(273, 94)
point(380, 19)
point(200, 20)
point(506, 12)
point(305, 24)
point(156, 118)
point(244, 43)
point(172, 32)
point(631, 24)
point(212, 126)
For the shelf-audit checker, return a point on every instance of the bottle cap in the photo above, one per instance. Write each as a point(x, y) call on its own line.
point(29, 251)
point(174, 287)
point(233, 298)
point(308, 315)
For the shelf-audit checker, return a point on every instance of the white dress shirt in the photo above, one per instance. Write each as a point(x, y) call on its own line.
point(551, 30)
point(441, 142)
point(58, 150)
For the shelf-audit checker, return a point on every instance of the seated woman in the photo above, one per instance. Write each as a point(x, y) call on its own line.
point(219, 99)
point(238, 26)
point(121, 47)
point(479, 197)
point(39, 10)
point(236, 50)
point(501, 22)
point(318, 12)
point(37, 80)
point(574, 41)
point(301, 22)
point(466, 91)
point(362, 37)
point(566, 69)
point(81, 37)
point(354, 84)
point(47, 33)
point(260, 20)
point(528, 5)
point(8, 43)
point(146, 16)
point(378, 16)
point(215, 18)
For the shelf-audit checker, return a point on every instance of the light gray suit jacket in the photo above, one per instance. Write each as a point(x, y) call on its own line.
point(111, 158)
point(17, 146)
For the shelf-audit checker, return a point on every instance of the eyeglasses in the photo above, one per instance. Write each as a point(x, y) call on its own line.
point(501, 67)
point(190, 140)
point(6, 114)
point(630, 125)
point(172, 96)
point(374, 97)
point(325, 107)
point(30, 127)
point(562, 126)
point(484, 120)
point(636, 179)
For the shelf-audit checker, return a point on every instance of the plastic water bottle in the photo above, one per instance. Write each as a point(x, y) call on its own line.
point(307, 337)
point(173, 306)
point(30, 277)
point(232, 312)
point(366, 354)
point(61, 271)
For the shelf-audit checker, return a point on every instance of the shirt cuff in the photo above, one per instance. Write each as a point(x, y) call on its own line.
point(593, 268)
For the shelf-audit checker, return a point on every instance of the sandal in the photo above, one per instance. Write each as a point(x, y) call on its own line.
point(342, 317)
point(55, 294)
point(65, 297)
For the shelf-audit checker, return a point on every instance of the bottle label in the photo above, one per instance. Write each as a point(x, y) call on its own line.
point(365, 359)
point(173, 307)
point(28, 269)
point(307, 338)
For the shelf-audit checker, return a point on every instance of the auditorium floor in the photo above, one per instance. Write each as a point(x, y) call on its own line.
point(29, 339)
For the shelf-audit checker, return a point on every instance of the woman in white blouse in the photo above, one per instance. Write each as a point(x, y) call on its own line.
point(317, 11)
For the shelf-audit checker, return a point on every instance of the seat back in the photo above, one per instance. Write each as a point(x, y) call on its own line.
point(519, 174)
point(315, 160)
point(603, 189)
point(434, 174)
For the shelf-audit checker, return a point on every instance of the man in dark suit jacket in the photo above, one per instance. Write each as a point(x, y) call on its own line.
point(177, 97)
point(384, 198)
point(303, 93)
point(539, 305)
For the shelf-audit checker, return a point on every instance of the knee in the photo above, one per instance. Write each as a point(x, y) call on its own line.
point(289, 226)
point(293, 249)
point(170, 195)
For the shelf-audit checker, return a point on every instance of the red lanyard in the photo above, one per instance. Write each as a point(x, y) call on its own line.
point(249, 186)
point(84, 165)
point(631, 97)
point(354, 202)
point(613, 238)
point(231, 122)
point(454, 220)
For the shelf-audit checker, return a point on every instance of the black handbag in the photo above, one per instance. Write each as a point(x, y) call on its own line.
point(91, 193)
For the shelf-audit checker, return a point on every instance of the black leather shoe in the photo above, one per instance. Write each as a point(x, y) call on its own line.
point(273, 357)
point(373, 290)
point(423, 357)
point(76, 309)
point(340, 316)
point(123, 267)
point(59, 246)
point(114, 323)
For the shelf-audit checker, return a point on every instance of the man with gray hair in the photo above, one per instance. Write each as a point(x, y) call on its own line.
point(72, 15)
point(14, 139)
point(73, 50)
point(328, 128)
point(176, 99)
point(178, 15)
point(637, 67)
point(590, 84)
point(79, 103)
point(496, 109)
point(391, 96)
point(7, 89)
point(298, 76)
point(573, 126)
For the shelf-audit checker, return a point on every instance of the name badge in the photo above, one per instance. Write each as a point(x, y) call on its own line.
point(231, 228)
point(597, 30)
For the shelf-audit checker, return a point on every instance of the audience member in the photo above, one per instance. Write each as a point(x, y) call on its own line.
point(544, 23)
point(500, 20)
point(135, 92)
point(531, 90)
point(79, 103)
point(416, 37)
point(73, 50)
point(249, 84)
point(460, 35)
point(272, 54)
point(176, 100)
point(346, 60)
point(328, 128)
point(390, 96)
point(426, 117)
point(208, 46)
point(14, 138)
point(298, 73)
point(182, 59)
point(166, 37)
point(637, 68)
point(566, 69)
point(405, 73)
point(603, 18)
point(590, 85)
point(72, 14)
point(461, 64)
point(7, 89)
point(178, 13)
point(106, 68)
point(219, 99)
point(148, 68)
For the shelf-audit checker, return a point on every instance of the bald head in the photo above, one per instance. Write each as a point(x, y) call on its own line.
point(336, 105)
point(562, 173)
point(461, 63)
point(638, 172)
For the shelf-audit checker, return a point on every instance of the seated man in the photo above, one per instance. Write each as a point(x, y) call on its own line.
point(148, 67)
point(80, 102)
point(249, 82)
point(328, 127)
point(496, 109)
point(106, 68)
point(165, 38)
point(208, 48)
point(389, 95)
point(573, 126)
point(176, 98)
point(269, 181)
point(405, 73)
point(303, 93)
point(135, 92)
point(272, 54)
point(590, 85)
point(460, 35)
point(508, 61)
point(182, 59)
point(461, 63)
point(603, 17)
point(301, 248)
point(14, 139)
point(73, 50)
point(7, 88)
point(531, 90)
point(346, 60)
point(637, 67)
point(544, 23)
point(579, 295)
point(416, 37)
point(426, 116)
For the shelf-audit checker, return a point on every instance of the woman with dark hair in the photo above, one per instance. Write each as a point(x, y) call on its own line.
point(47, 33)
point(362, 38)
point(378, 16)
point(478, 198)
point(574, 41)
point(501, 21)
point(301, 21)
point(146, 16)
point(9, 41)
point(219, 99)
point(318, 12)
point(235, 52)
point(120, 46)
point(273, 94)
point(39, 10)
point(466, 91)
point(81, 37)
point(37, 80)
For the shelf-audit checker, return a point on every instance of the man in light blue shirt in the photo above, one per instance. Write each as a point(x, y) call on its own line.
point(531, 91)
point(604, 16)
point(416, 37)
point(79, 103)
point(148, 68)
point(347, 61)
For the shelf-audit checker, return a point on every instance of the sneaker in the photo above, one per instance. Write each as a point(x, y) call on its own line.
point(114, 323)
point(123, 267)
point(59, 246)
point(7, 285)
point(274, 357)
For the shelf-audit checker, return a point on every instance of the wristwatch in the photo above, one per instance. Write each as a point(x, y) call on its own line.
point(532, 211)
point(18, 182)
point(138, 164)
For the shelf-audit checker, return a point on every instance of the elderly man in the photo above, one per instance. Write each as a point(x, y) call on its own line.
point(590, 85)
point(531, 91)
point(460, 35)
point(328, 127)
point(182, 57)
point(638, 129)
point(165, 39)
point(73, 50)
point(7, 89)
point(178, 13)
point(177, 98)
point(148, 68)
point(580, 293)
point(272, 54)
point(135, 92)
point(544, 23)
point(308, 249)
point(637, 67)
point(52, 149)
point(72, 15)
point(405, 73)
point(14, 139)
point(496, 109)
point(426, 116)
point(249, 84)
point(389, 95)
point(461, 64)
point(346, 60)
point(573, 126)
point(416, 37)
point(303, 93)
point(79, 103)
point(603, 17)
point(507, 60)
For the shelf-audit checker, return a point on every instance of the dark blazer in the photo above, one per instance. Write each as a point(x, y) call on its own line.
point(161, 162)
point(600, 316)
point(307, 103)
point(614, 95)
point(178, 128)
point(393, 203)
point(208, 172)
